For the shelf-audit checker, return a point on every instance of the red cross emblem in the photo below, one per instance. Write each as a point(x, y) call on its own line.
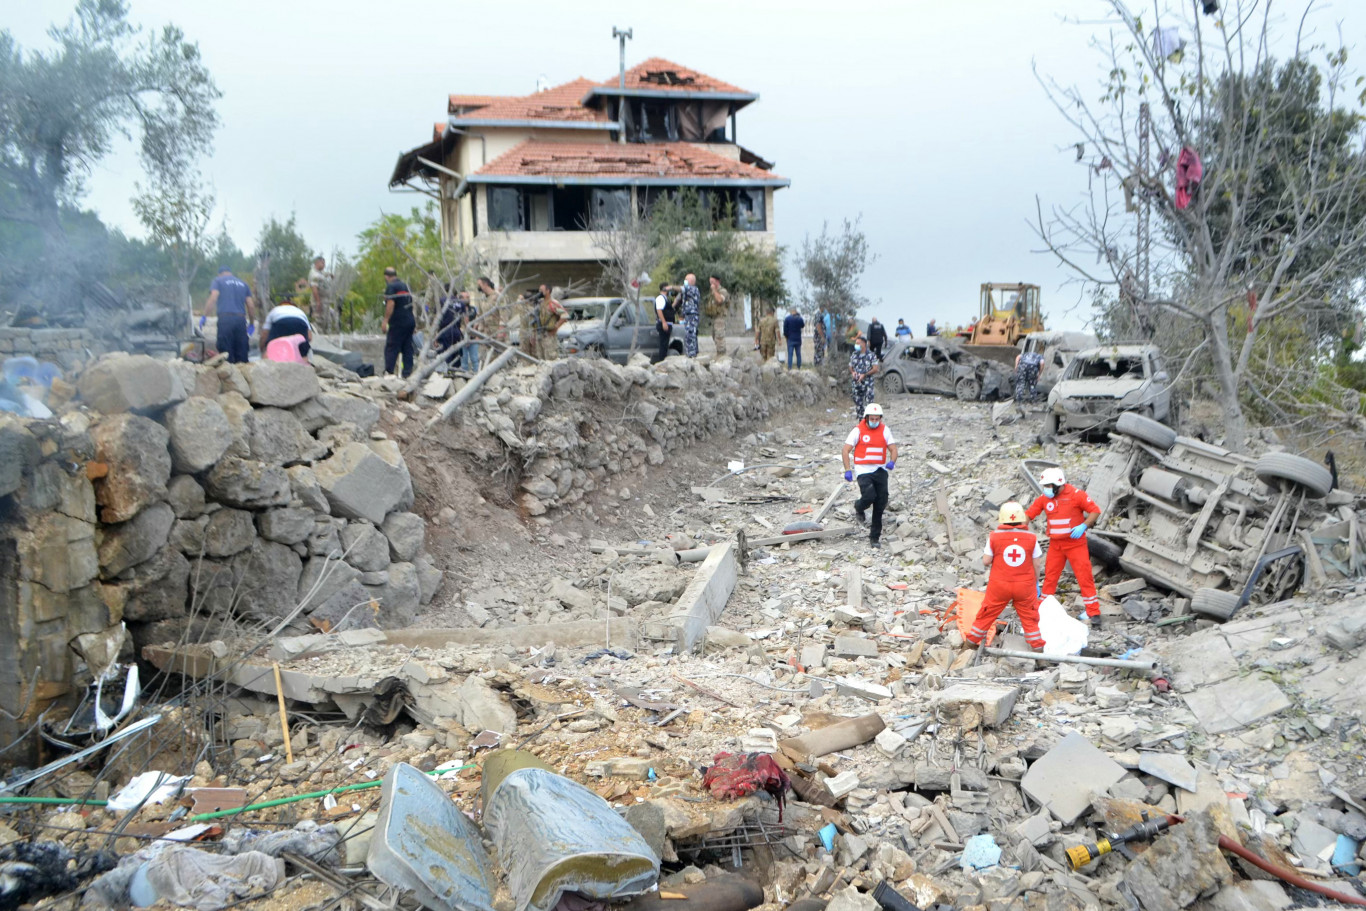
point(1014, 555)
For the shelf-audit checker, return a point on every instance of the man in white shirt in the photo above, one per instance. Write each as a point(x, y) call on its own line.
point(873, 451)
point(664, 322)
point(285, 320)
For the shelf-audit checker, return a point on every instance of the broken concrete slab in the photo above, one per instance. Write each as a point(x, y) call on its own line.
point(618, 631)
point(1249, 895)
point(864, 689)
point(1169, 767)
point(1236, 703)
point(1065, 777)
point(830, 739)
point(991, 703)
point(706, 595)
point(855, 647)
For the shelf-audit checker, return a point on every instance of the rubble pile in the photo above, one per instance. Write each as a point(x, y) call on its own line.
point(798, 709)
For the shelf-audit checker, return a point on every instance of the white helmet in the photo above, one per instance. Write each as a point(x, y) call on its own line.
point(873, 409)
point(1052, 477)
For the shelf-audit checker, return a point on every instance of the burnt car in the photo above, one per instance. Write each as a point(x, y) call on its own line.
point(1221, 528)
point(1102, 383)
point(941, 366)
point(1057, 348)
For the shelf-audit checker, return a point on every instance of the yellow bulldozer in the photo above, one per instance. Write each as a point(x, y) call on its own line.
point(1009, 312)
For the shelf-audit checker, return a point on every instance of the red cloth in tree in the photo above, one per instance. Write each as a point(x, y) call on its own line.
point(735, 775)
point(1188, 174)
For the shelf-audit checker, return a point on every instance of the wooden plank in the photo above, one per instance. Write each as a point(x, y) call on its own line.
point(804, 536)
point(706, 595)
point(830, 501)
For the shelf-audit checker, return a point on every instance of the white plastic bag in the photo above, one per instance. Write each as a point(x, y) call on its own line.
point(1062, 634)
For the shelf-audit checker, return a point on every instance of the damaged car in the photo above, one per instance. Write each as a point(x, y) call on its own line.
point(932, 365)
point(1221, 528)
point(1102, 383)
point(611, 327)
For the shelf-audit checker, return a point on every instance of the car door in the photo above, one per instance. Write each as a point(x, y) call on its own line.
point(938, 371)
point(620, 330)
point(912, 366)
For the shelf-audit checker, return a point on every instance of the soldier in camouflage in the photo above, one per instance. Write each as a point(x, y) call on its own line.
point(863, 368)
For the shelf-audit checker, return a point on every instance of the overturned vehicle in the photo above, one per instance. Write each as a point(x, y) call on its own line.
point(1220, 528)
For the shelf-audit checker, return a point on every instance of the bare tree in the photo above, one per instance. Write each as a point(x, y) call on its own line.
point(175, 209)
point(1262, 244)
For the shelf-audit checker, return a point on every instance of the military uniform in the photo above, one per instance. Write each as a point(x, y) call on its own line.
point(1027, 377)
point(717, 308)
point(818, 340)
point(691, 312)
point(768, 337)
point(862, 364)
point(548, 313)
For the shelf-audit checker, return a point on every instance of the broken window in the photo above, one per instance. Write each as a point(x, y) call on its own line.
point(666, 77)
point(610, 205)
point(653, 121)
point(569, 209)
point(505, 209)
point(749, 209)
point(1108, 368)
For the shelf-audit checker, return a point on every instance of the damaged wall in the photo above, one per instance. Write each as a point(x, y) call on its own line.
point(65, 347)
point(167, 490)
point(577, 421)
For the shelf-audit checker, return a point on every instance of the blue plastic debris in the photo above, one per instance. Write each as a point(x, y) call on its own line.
point(1345, 855)
point(827, 836)
point(980, 852)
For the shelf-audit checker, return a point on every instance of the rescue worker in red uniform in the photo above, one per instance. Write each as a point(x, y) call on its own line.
point(1070, 513)
point(1013, 555)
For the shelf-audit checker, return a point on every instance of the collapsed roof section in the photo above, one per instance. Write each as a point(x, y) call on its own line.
point(654, 164)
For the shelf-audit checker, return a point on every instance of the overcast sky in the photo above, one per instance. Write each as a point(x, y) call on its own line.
point(924, 117)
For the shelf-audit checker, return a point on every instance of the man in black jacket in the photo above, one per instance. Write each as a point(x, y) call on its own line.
point(877, 338)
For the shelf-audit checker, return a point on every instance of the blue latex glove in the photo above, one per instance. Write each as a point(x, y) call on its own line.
point(849, 475)
point(891, 465)
point(202, 321)
point(251, 328)
point(1078, 532)
point(1038, 592)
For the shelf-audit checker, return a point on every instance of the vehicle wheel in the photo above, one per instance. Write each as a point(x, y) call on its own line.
point(1214, 603)
point(967, 389)
point(1050, 426)
point(1103, 551)
point(893, 383)
point(1146, 429)
point(1277, 467)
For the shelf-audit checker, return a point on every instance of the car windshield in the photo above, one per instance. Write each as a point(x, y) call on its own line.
point(578, 311)
point(1107, 368)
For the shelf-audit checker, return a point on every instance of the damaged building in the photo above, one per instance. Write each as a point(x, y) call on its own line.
point(525, 177)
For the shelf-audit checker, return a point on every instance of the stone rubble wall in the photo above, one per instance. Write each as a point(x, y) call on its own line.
point(64, 347)
point(581, 421)
point(167, 490)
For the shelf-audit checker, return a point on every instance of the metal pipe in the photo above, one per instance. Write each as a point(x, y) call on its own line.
point(1146, 666)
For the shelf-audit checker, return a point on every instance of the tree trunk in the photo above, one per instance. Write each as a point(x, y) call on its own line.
point(1235, 423)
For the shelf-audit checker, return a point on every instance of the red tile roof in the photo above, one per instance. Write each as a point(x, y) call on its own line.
point(665, 75)
point(562, 102)
point(472, 101)
point(672, 160)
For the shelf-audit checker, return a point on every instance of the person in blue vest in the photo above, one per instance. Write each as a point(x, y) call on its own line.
point(233, 300)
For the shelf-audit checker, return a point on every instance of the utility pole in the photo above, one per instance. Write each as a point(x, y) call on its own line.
point(621, 35)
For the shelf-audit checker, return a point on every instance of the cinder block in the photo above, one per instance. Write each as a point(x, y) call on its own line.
point(994, 702)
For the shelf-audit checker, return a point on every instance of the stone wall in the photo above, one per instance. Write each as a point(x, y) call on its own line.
point(581, 420)
point(64, 347)
point(168, 490)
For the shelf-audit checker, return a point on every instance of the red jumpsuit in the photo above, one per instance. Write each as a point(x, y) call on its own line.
point(1012, 549)
point(1065, 512)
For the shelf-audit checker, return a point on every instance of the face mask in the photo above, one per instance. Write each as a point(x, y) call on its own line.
point(1050, 492)
point(858, 349)
point(873, 422)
